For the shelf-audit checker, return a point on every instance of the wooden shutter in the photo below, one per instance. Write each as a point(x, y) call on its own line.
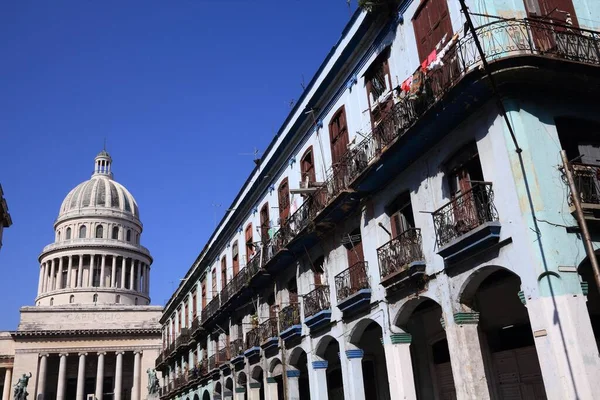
point(214, 283)
point(235, 258)
point(307, 166)
point(249, 241)
point(179, 320)
point(431, 22)
point(338, 134)
point(203, 293)
point(552, 10)
point(264, 223)
point(284, 201)
point(194, 303)
point(187, 314)
point(223, 272)
point(355, 253)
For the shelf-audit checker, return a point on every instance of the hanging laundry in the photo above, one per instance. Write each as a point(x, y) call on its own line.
point(430, 58)
point(405, 86)
point(438, 61)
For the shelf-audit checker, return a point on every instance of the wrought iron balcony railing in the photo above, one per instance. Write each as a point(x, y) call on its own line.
point(289, 316)
point(268, 329)
point(223, 356)
point(398, 253)
point(352, 280)
point(183, 338)
point(254, 265)
point(253, 338)
point(236, 348)
point(203, 365)
point(195, 324)
point(316, 301)
point(465, 212)
point(212, 362)
point(227, 292)
point(211, 308)
point(194, 373)
point(587, 182)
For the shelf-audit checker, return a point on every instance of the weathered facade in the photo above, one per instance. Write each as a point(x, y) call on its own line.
point(409, 232)
point(92, 331)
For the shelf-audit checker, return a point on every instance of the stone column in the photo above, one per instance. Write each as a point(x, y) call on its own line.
point(80, 272)
point(148, 280)
point(59, 275)
point(123, 268)
point(272, 393)
point(100, 376)
point(240, 393)
point(354, 358)
point(81, 377)
point(137, 363)
point(318, 380)
point(119, 375)
point(399, 366)
point(138, 279)
point(132, 276)
point(91, 270)
point(465, 356)
point(70, 268)
point(51, 280)
point(113, 274)
point(41, 281)
point(293, 388)
point(62, 374)
point(103, 271)
point(7, 384)
point(254, 391)
point(41, 384)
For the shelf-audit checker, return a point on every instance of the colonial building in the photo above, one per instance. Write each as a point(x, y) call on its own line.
point(92, 331)
point(409, 231)
point(5, 219)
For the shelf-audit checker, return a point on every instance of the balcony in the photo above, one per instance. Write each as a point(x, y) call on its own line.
point(223, 357)
point(252, 343)
point(269, 337)
point(236, 352)
point(210, 310)
point(353, 288)
point(401, 260)
point(289, 322)
point(212, 363)
point(194, 375)
point(317, 308)
point(182, 341)
point(587, 182)
point(467, 224)
point(196, 328)
point(160, 360)
point(170, 352)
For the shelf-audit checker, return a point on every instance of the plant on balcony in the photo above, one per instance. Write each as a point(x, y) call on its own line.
point(377, 5)
point(254, 319)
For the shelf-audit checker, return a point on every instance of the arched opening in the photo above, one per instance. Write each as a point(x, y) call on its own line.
point(367, 336)
point(95, 298)
point(276, 371)
point(99, 232)
point(196, 397)
point(72, 299)
point(593, 296)
point(506, 339)
point(58, 236)
point(257, 383)
point(128, 238)
point(218, 391)
point(115, 232)
point(242, 381)
point(118, 299)
point(68, 235)
point(328, 349)
point(206, 395)
point(135, 301)
point(82, 231)
point(428, 349)
point(51, 301)
point(229, 390)
point(299, 361)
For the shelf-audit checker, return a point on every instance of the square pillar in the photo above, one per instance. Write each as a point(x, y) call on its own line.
point(399, 366)
point(318, 380)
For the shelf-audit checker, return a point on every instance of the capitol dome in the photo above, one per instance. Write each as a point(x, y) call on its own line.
point(96, 257)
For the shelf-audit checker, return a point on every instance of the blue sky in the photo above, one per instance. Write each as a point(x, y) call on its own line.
point(178, 89)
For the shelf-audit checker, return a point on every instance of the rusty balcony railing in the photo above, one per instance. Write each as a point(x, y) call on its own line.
point(239, 280)
point(289, 316)
point(212, 362)
point(352, 280)
point(223, 356)
point(398, 253)
point(183, 338)
point(227, 292)
point(194, 373)
point(464, 213)
point(268, 329)
point(211, 308)
point(254, 265)
point(203, 365)
point(195, 324)
point(587, 182)
point(316, 301)
point(253, 338)
point(236, 348)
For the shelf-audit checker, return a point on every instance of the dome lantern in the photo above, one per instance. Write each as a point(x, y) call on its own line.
point(102, 164)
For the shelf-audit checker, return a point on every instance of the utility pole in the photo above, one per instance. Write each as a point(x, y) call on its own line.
point(587, 240)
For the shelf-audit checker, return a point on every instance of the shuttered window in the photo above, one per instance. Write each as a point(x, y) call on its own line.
point(284, 201)
point(223, 272)
point(264, 223)
point(431, 22)
point(235, 258)
point(249, 245)
point(338, 134)
point(307, 166)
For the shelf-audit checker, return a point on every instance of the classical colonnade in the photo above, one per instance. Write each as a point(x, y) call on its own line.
point(98, 270)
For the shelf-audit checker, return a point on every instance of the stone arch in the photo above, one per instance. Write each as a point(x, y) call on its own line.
point(471, 284)
point(407, 310)
point(229, 384)
point(218, 389)
point(196, 397)
point(273, 364)
point(358, 329)
point(256, 373)
point(295, 355)
point(322, 345)
point(206, 395)
point(242, 379)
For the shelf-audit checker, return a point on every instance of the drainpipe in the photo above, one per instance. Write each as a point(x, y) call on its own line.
point(587, 240)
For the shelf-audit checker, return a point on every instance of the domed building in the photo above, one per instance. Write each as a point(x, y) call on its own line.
point(92, 333)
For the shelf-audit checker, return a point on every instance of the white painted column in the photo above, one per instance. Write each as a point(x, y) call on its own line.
point(137, 364)
point(293, 388)
point(318, 380)
point(119, 375)
point(41, 383)
point(131, 274)
point(466, 357)
point(69, 283)
point(80, 272)
point(272, 393)
point(123, 272)
point(41, 281)
point(52, 270)
point(91, 270)
point(399, 366)
point(103, 271)
point(62, 375)
point(254, 392)
point(7, 384)
point(100, 376)
point(240, 393)
point(148, 281)
point(113, 275)
point(59, 282)
point(81, 377)
point(138, 279)
point(353, 360)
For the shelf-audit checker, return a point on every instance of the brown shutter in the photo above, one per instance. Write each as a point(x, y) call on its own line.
point(284, 201)
point(307, 166)
point(187, 315)
point(214, 282)
point(431, 22)
point(204, 293)
point(223, 272)
point(264, 223)
point(194, 303)
point(236, 258)
point(249, 241)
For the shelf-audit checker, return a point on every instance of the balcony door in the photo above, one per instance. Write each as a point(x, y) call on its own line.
point(354, 249)
point(542, 12)
point(338, 135)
